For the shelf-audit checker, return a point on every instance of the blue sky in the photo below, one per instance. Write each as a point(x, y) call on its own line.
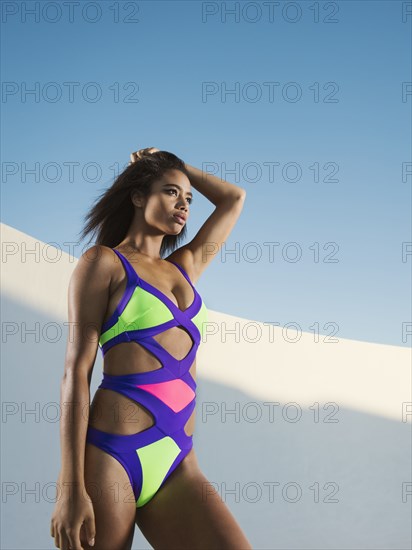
point(336, 132)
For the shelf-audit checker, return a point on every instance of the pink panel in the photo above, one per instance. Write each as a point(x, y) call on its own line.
point(176, 394)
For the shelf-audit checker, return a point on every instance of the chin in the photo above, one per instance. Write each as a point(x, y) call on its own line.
point(171, 233)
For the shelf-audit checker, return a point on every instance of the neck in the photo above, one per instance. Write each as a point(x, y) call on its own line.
point(137, 249)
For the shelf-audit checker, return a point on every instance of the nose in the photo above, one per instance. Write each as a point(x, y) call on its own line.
point(183, 203)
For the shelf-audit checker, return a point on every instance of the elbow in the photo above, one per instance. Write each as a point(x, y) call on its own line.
point(238, 195)
point(74, 374)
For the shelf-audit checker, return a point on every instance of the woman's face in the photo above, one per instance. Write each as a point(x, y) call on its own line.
point(170, 195)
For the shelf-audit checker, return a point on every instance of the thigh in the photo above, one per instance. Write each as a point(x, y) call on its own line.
point(109, 488)
point(189, 514)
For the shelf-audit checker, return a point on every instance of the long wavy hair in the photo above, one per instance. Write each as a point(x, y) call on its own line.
point(112, 213)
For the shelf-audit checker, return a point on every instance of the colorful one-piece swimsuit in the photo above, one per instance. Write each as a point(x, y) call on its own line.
point(169, 392)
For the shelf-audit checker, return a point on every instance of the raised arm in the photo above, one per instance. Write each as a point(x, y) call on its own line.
point(88, 295)
point(228, 200)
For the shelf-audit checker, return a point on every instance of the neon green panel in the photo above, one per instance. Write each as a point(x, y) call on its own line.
point(156, 459)
point(144, 310)
point(201, 318)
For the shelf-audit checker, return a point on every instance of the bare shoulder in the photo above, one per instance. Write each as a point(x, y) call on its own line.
point(97, 258)
point(94, 272)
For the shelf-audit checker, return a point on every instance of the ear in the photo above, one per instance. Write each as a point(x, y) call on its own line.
point(137, 198)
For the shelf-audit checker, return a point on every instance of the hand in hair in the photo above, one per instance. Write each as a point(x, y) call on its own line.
point(141, 153)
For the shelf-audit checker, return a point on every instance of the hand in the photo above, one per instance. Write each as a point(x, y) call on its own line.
point(72, 520)
point(141, 153)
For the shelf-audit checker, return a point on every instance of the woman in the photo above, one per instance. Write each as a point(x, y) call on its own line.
point(131, 460)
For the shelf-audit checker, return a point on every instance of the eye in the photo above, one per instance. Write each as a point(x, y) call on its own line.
point(189, 199)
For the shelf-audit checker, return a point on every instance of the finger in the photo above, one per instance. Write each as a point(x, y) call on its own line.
point(64, 541)
point(56, 538)
point(74, 539)
point(90, 528)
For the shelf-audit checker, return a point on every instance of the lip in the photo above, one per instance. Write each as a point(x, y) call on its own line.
point(179, 219)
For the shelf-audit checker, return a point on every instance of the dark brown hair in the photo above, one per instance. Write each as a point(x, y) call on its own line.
point(113, 211)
